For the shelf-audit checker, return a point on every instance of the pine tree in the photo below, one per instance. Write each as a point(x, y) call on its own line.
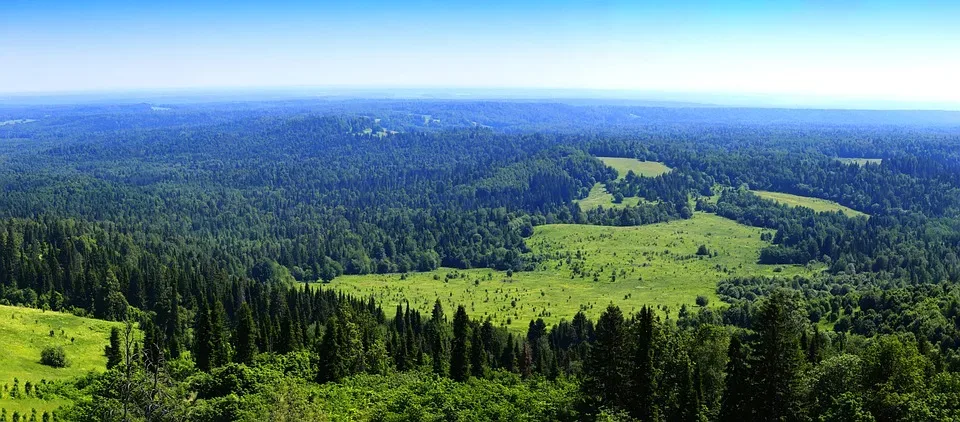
point(113, 351)
point(459, 362)
point(245, 339)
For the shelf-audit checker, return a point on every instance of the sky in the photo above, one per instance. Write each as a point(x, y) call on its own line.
point(897, 52)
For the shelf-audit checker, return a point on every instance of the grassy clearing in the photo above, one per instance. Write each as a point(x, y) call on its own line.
point(816, 204)
point(25, 332)
point(586, 268)
point(641, 168)
point(860, 161)
point(599, 197)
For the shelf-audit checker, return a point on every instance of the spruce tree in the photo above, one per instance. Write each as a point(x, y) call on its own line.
point(289, 335)
point(779, 360)
point(114, 351)
point(220, 336)
point(736, 403)
point(153, 345)
point(606, 367)
point(437, 337)
point(644, 405)
point(508, 359)
point(202, 338)
point(332, 365)
point(172, 327)
point(526, 360)
point(459, 361)
point(245, 339)
point(478, 354)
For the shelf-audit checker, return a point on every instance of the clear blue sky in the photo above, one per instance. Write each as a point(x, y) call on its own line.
point(897, 51)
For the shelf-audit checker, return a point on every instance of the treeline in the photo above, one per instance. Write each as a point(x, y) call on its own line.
point(627, 367)
point(909, 246)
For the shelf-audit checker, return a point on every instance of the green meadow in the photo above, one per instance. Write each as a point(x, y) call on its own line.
point(599, 196)
point(641, 168)
point(24, 332)
point(816, 204)
point(585, 268)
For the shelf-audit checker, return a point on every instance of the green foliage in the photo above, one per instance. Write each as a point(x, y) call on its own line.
point(54, 356)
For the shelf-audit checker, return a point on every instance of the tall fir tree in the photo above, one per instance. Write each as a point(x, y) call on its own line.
point(220, 337)
point(736, 404)
point(245, 338)
point(644, 379)
point(459, 359)
point(508, 358)
point(202, 337)
point(779, 360)
point(437, 337)
point(606, 367)
point(478, 354)
point(113, 350)
point(332, 365)
point(153, 345)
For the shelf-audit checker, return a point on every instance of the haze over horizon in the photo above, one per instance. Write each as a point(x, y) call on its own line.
point(847, 53)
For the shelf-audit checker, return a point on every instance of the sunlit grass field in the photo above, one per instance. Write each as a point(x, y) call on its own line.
point(816, 204)
point(25, 332)
point(599, 196)
point(587, 267)
point(641, 168)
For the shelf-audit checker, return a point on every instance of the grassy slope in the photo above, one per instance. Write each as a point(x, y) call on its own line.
point(598, 194)
point(655, 265)
point(25, 332)
point(816, 204)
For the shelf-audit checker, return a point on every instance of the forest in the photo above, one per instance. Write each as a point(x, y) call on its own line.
point(206, 236)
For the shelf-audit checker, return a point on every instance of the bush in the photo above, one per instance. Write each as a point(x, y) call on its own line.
point(702, 301)
point(55, 357)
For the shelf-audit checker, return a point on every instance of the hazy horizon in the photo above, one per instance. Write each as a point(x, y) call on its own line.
point(847, 54)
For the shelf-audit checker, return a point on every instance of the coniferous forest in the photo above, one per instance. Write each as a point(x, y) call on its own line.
point(209, 233)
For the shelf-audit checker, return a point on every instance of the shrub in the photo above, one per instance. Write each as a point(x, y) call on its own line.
point(703, 251)
point(54, 356)
point(702, 301)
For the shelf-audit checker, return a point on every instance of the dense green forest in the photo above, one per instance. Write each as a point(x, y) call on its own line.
point(211, 229)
